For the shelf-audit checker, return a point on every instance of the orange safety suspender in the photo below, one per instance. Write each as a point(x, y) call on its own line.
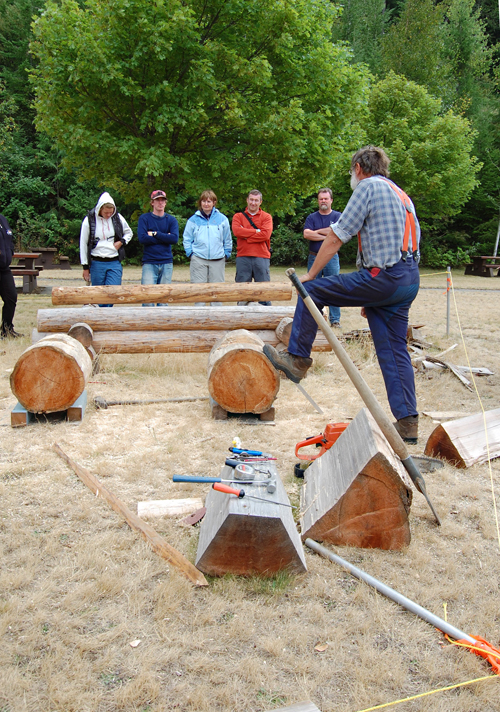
point(410, 226)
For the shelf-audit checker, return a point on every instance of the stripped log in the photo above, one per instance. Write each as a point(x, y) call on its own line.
point(157, 319)
point(156, 542)
point(357, 493)
point(168, 507)
point(50, 375)
point(468, 441)
point(284, 329)
point(240, 378)
point(174, 293)
point(166, 342)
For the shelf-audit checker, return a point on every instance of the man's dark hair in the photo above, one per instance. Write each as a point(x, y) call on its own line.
point(325, 190)
point(372, 160)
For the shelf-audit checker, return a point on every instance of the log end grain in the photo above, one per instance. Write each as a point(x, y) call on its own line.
point(440, 445)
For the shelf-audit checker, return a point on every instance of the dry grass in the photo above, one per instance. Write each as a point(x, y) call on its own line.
point(77, 585)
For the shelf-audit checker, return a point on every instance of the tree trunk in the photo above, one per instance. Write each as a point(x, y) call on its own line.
point(170, 293)
point(50, 375)
point(158, 319)
point(240, 378)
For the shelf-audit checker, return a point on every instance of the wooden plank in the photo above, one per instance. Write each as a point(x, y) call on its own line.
point(168, 507)
point(305, 706)
point(163, 319)
point(157, 543)
point(358, 492)
point(247, 536)
point(174, 293)
point(467, 441)
point(445, 414)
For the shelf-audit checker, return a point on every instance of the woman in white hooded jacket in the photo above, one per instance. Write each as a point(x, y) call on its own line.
point(103, 233)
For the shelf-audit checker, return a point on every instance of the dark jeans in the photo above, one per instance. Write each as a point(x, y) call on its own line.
point(387, 296)
point(8, 294)
point(256, 267)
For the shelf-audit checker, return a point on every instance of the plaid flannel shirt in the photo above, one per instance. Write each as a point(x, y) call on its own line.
point(378, 214)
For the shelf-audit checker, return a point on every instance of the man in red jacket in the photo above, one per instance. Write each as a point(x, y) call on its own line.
point(253, 228)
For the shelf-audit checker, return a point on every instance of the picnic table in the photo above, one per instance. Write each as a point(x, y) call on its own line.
point(26, 269)
point(484, 266)
point(46, 259)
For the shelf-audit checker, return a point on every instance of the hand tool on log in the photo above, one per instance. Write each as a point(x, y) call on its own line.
point(252, 453)
point(200, 478)
point(325, 440)
point(475, 644)
point(382, 420)
point(241, 493)
point(101, 403)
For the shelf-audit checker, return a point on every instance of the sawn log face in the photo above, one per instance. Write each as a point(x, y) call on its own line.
point(357, 493)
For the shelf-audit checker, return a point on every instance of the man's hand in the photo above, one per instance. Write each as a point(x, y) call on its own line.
point(86, 275)
point(363, 313)
point(306, 277)
point(117, 244)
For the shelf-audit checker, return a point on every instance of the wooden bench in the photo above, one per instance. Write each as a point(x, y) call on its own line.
point(484, 266)
point(27, 270)
point(47, 257)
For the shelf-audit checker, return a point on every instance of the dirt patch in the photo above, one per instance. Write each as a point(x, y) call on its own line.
point(77, 586)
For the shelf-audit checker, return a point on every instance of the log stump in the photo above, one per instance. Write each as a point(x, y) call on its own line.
point(358, 492)
point(467, 441)
point(240, 377)
point(51, 375)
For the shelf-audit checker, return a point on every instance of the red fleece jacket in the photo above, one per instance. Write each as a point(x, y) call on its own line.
point(251, 243)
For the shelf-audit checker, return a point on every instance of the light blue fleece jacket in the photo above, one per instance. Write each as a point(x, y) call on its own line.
point(209, 238)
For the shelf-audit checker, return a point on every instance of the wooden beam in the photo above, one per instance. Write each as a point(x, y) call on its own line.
point(168, 507)
point(156, 542)
point(174, 293)
point(467, 441)
point(157, 319)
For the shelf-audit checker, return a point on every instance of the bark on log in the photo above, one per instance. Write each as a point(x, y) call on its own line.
point(166, 342)
point(50, 375)
point(240, 377)
point(174, 293)
point(357, 493)
point(467, 441)
point(156, 542)
point(158, 319)
point(284, 329)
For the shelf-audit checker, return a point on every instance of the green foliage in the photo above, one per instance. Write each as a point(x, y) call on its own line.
point(183, 95)
point(288, 247)
point(431, 152)
point(363, 23)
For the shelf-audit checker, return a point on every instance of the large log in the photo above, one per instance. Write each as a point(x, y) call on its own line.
point(357, 493)
point(240, 378)
point(178, 293)
point(467, 441)
point(50, 375)
point(167, 319)
point(166, 342)
point(247, 536)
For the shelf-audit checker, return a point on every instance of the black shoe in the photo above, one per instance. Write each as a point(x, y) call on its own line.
point(294, 367)
point(9, 333)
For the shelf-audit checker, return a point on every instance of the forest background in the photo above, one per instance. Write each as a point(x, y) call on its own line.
point(131, 95)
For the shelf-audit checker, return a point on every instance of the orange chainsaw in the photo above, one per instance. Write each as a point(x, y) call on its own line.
point(324, 440)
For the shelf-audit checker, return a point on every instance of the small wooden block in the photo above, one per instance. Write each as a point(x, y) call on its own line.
point(305, 706)
point(19, 416)
point(268, 415)
point(75, 412)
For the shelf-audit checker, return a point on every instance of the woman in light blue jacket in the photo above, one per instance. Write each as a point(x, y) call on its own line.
point(207, 242)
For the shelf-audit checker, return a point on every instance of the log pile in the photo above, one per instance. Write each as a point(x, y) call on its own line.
point(178, 329)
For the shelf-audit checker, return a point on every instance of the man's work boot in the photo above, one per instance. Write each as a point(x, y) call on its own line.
point(294, 367)
point(9, 333)
point(408, 428)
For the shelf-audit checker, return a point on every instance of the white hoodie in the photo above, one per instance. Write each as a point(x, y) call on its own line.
point(104, 230)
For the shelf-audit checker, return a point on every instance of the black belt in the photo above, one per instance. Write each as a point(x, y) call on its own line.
point(105, 259)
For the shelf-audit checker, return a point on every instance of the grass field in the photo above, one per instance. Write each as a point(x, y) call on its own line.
point(77, 586)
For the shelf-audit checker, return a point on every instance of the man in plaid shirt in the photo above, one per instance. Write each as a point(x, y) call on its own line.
point(385, 286)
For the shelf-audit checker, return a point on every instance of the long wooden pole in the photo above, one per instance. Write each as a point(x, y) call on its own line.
point(364, 390)
point(156, 542)
point(170, 293)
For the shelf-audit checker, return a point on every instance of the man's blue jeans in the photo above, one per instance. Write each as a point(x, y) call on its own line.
point(386, 296)
point(105, 273)
point(156, 274)
point(331, 269)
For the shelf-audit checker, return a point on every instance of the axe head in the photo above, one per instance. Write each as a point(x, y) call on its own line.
point(100, 403)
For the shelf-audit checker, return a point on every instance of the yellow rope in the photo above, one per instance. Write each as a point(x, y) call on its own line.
point(483, 412)
point(430, 692)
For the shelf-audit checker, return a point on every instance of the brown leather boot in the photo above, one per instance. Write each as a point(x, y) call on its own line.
point(294, 367)
point(408, 428)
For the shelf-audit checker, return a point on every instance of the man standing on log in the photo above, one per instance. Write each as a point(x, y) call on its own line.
point(157, 232)
point(253, 228)
point(8, 291)
point(387, 282)
point(316, 229)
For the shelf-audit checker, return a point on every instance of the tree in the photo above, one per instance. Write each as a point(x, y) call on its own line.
point(431, 152)
point(363, 24)
point(227, 94)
